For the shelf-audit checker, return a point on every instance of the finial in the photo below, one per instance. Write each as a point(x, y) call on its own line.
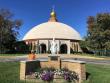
point(53, 8)
point(53, 15)
point(53, 11)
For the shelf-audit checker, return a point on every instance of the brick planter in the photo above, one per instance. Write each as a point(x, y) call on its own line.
point(74, 65)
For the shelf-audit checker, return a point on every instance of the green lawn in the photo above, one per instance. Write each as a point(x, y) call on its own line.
point(98, 73)
point(12, 54)
point(9, 73)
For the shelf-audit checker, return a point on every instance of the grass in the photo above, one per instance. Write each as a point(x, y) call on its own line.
point(98, 73)
point(9, 73)
point(12, 54)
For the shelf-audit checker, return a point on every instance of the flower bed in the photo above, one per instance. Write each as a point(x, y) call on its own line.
point(52, 75)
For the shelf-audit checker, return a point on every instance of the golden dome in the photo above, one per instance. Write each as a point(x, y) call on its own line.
point(53, 14)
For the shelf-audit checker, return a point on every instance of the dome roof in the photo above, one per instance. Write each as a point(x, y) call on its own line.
point(49, 30)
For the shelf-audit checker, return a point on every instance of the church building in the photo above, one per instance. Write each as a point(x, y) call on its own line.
point(39, 38)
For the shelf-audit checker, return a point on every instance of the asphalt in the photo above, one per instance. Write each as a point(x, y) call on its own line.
point(93, 61)
point(87, 60)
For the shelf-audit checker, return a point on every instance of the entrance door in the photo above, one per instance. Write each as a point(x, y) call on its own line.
point(42, 48)
point(63, 49)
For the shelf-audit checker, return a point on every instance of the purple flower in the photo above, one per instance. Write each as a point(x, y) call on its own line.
point(48, 76)
point(67, 77)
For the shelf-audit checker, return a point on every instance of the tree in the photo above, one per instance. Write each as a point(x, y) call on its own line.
point(21, 48)
point(8, 30)
point(98, 35)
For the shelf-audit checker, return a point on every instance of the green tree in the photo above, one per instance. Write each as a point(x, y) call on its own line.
point(21, 47)
point(98, 35)
point(8, 30)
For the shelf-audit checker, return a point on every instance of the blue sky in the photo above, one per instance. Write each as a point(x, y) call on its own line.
point(71, 12)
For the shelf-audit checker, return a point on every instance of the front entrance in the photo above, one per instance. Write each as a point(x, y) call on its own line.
point(63, 49)
point(42, 48)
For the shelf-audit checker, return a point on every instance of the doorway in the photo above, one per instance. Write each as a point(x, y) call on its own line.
point(63, 49)
point(42, 48)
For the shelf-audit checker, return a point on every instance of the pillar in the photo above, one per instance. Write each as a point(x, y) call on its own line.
point(68, 47)
point(22, 70)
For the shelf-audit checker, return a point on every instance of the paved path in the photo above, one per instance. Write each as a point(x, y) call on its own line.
point(93, 61)
point(87, 60)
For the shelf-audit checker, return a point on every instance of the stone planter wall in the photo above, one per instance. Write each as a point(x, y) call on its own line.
point(77, 66)
point(26, 67)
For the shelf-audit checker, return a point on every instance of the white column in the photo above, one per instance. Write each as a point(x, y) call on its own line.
point(79, 48)
point(47, 45)
point(36, 46)
point(68, 52)
point(58, 48)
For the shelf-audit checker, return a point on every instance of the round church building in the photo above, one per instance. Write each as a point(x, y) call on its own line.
point(39, 38)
